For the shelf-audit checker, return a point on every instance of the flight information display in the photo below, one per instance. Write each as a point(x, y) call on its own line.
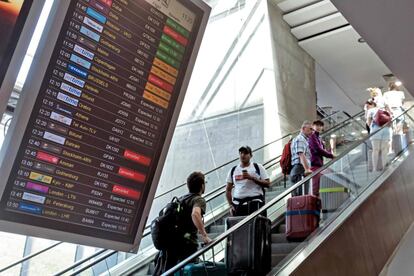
point(91, 147)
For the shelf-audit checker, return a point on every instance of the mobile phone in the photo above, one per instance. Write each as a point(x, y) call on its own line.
point(244, 171)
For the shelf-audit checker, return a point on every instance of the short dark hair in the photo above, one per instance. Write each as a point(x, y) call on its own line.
point(318, 123)
point(195, 182)
point(246, 149)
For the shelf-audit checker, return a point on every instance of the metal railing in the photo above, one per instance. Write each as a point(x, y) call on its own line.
point(273, 202)
point(221, 189)
point(208, 196)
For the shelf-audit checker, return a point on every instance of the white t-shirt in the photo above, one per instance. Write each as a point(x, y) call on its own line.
point(394, 98)
point(379, 101)
point(244, 187)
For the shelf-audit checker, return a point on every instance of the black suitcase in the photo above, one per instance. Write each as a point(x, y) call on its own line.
point(248, 250)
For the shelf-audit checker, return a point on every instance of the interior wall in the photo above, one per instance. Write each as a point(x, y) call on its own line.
point(294, 74)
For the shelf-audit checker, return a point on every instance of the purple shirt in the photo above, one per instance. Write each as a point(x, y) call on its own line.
point(317, 150)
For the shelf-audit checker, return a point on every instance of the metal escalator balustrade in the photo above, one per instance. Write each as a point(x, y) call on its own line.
point(217, 207)
point(215, 223)
point(354, 163)
point(217, 204)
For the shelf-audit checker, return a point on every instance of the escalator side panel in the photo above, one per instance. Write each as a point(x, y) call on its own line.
point(362, 244)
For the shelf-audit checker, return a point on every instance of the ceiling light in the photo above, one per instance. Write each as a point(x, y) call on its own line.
point(361, 40)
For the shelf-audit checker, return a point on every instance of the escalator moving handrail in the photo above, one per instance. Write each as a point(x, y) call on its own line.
point(216, 192)
point(261, 147)
point(29, 257)
point(208, 194)
point(272, 202)
point(78, 263)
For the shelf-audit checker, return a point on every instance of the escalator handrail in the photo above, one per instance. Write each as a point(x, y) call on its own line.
point(219, 190)
point(261, 147)
point(207, 195)
point(272, 202)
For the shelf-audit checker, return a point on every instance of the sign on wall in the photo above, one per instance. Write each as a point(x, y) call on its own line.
point(91, 154)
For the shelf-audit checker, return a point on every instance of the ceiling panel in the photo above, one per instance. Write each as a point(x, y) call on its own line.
point(291, 5)
point(310, 13)
point(388, 27)
point(353, 66)
point(318, 26)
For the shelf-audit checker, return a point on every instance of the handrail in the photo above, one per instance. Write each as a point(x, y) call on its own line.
point(29, 257)
point(261, 147)
point(272, 202)
point(207, 195)
point(219, 190)
point(100, 259)
point(78, 263)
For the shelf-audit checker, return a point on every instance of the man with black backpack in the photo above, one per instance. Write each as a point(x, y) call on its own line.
point(174, 232)
point(247, 182)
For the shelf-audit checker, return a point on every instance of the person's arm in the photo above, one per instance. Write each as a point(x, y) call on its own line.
point(369, 119)
point(265, 183)
point(199, 224)
point(304, 163)
point(229, 197)
point(316, 146)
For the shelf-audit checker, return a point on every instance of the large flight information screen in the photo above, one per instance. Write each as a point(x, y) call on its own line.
point(90, 149)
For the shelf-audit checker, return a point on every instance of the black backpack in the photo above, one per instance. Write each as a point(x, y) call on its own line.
point(168, 227)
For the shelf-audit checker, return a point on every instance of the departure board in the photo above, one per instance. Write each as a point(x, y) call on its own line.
point(88, 155)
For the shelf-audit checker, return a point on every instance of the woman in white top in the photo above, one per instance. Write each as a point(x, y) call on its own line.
point(380, 141)
point(376, 94)
point(394, 99)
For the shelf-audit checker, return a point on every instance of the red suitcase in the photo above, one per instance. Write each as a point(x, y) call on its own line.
point(302, 216)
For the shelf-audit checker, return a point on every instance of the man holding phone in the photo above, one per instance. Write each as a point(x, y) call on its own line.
point(245, 185)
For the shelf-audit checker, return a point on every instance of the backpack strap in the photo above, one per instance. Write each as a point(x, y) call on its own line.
point(257, 169)
point(256, 166)
point(232, 173)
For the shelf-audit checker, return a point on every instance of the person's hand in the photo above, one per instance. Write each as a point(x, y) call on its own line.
point(246, 175)
point(308, 172)
point(206, 239)
point(232, 210)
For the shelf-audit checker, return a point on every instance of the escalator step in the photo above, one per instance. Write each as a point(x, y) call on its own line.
point(279, 238)
point(277, 258)
point(283, 248)
point(282, 228)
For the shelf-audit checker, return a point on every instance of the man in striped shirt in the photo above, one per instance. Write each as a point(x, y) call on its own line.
point(301, 156)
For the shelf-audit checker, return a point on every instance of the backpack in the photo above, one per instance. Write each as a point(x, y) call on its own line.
point(286, 159)
point(382, 117)
point(167, 228)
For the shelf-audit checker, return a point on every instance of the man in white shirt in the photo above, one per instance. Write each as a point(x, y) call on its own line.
point(247, 182)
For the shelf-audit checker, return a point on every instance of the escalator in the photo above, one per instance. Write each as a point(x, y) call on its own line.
point(346, 131)
point(379, 208)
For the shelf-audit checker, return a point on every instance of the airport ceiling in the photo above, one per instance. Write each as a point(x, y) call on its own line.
point(340, 52)
point(387, 26)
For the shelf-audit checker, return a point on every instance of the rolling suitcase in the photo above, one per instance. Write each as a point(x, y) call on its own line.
point(248, 250)
point(333, 191)
point(302, 216)
point(202, 269)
